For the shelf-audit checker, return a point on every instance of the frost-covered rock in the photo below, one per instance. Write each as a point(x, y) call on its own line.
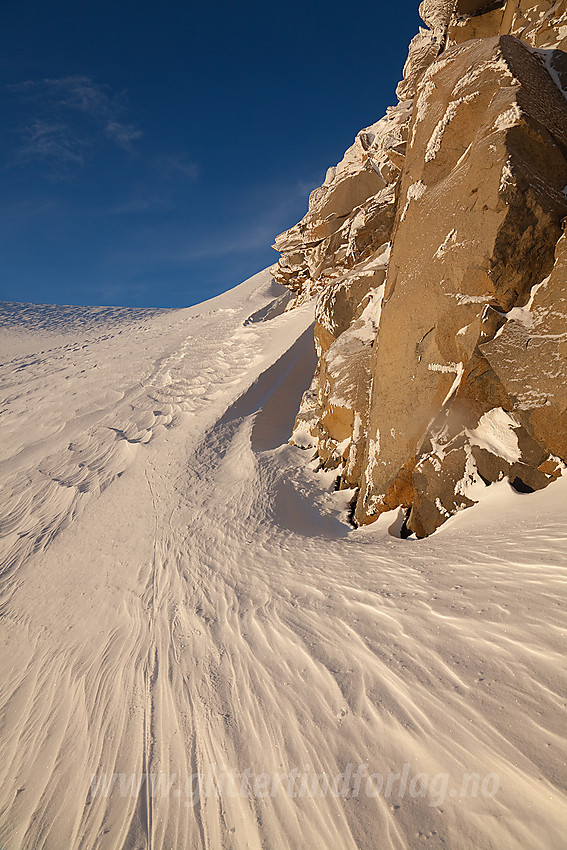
point(340, 250)
point(333, 410)
point(446, 370)
point(437, 14)
point(351, 214)
point(529, 356)
point(539, 23)
point(426, 46)
point(487, 151)
point(542, 24)
point(475, 19)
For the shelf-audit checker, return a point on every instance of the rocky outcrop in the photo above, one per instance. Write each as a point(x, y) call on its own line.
point(487, 153)
point(351, 215)
point(334, 411)
point(442, 361)
point(529, 357)
point(539, 23)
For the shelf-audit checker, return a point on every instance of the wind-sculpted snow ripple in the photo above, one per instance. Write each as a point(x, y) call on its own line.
point(55, 318)
point(94, 416)
point(213, 614)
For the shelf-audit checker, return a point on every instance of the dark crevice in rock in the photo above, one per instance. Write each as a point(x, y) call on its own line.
point(521, 486)
point(351, 510)
point(405, 530)
point(474, 8)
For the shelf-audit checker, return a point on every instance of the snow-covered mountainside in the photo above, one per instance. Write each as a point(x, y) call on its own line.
point(217, 638)
point(436, 245)
point(198, 648)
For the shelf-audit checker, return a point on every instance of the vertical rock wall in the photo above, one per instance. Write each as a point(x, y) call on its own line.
point(435, 248)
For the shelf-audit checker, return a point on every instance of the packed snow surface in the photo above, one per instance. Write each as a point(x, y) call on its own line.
point(198, 650)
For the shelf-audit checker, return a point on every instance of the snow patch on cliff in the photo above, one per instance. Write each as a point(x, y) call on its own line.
point(496, 433)
point(414, 193)
point(434, 144)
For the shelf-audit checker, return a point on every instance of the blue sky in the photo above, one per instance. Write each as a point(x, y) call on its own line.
point(152, 151)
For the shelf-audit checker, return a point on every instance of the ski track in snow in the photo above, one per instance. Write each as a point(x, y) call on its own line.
point(212, 607)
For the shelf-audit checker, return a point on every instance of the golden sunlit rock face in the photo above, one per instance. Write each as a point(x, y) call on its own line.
point(436, 250)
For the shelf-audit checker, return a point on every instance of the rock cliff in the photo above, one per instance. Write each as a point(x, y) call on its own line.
point(435, 249)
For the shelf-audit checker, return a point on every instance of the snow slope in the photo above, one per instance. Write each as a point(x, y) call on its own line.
point(182, 596)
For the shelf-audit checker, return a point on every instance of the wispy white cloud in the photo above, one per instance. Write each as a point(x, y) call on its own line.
point(123, 134)
point(51, 142)
point(65, 119)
